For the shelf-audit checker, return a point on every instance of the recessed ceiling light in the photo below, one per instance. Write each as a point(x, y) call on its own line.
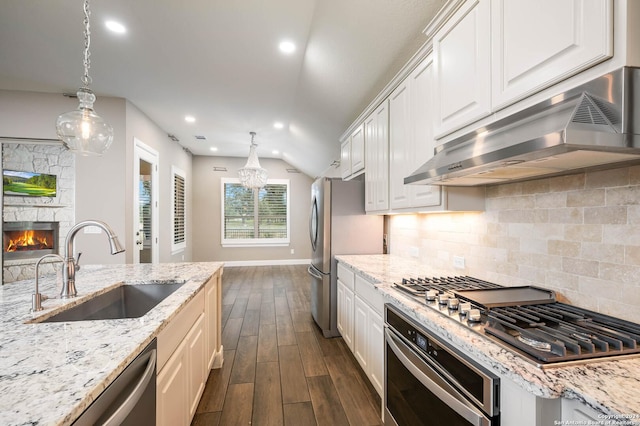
point(287, 47)
point(116, 27)
point(278, 125)
point(190, 119)
point(275, 152)
point(213, 148)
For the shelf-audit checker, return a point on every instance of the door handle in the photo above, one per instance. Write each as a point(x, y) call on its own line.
point(312, 271)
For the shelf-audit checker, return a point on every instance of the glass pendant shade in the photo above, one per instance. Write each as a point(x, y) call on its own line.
point(252, 175)
point(83, 131)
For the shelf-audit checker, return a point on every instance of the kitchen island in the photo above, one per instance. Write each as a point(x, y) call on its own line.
point(607, 387)
point(51, 372)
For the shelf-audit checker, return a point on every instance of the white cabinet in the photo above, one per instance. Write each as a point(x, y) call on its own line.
point(411, 141)
point(187, 347)
point(462, 67)
point(352, 155)
point(360, 321)
point(172, 404)
point(196, 364)
point(368, 333)
point(345, 313)
point(538, 43)
point(377, 159)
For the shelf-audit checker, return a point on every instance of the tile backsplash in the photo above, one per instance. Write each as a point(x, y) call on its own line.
point(578, 235)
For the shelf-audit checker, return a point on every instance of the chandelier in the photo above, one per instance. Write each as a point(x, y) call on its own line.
point(83, 131)
point(252, 175)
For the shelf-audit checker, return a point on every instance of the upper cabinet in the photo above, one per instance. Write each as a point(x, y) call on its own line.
point(538, 43)
point(411, 141)
point(462, 67)
point(376, 131)
point(352, 154)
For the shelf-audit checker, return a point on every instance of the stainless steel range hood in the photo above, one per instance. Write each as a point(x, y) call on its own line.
point(591, 126)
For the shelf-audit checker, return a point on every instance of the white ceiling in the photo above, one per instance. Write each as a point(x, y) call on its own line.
point(219, 62)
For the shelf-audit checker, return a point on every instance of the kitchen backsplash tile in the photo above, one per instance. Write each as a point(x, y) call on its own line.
point(578, 235)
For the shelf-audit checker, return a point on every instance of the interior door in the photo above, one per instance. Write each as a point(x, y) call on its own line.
point(145, 202)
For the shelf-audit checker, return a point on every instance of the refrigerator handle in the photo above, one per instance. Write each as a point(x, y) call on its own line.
point(312, 271)
point(313, 216)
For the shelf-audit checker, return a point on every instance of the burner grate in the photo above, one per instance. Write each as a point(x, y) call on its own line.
point(419, 286)
point(558, 332)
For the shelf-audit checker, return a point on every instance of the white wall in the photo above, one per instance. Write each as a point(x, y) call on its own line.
point(104, 185)
point(207, 213)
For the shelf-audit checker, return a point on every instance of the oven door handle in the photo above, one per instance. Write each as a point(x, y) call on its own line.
point(443, 391)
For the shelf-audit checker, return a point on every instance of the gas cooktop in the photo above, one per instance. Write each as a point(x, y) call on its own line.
point(527, 320)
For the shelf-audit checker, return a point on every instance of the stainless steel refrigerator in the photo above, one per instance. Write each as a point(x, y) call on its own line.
point(338, 225)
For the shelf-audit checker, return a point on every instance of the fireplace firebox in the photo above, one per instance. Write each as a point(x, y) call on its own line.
point(27, 240)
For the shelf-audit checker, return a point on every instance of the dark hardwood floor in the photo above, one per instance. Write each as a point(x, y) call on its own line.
point(278, 368)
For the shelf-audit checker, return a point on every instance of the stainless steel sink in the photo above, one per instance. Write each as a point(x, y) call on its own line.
point(125, 301)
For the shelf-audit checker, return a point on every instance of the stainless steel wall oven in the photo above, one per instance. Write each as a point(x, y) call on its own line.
point(428, 382)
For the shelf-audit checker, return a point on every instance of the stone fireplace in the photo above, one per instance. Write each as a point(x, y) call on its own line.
point(53, 215)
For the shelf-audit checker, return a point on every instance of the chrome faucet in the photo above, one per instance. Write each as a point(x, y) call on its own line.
point(71, 263)
point(37, 297)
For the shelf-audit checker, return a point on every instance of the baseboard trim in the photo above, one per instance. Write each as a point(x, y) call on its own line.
point(232, 263)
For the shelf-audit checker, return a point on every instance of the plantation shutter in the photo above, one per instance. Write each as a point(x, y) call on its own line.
point(178, 209)
point(272, 207)
point(255, 217)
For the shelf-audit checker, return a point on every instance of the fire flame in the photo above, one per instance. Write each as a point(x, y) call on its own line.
point(28, 239)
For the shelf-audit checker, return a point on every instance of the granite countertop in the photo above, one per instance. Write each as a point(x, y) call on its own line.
point(51, 372)
point(610, 387)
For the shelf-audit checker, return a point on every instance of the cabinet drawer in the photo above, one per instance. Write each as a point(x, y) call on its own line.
point(367, 292)
point(346, 276)
point(173, 334)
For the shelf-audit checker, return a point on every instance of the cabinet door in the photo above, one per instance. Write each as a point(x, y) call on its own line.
point(377, 154)
point(577, 34)
point(172, 402)
point(370, 178)
point(376, 351)
point(357, 150)
point(345, 159)
point(421, 143)
point(462, 64)
point(399, 134)
point(197, 364)
point(361, 332)
point(345, 313)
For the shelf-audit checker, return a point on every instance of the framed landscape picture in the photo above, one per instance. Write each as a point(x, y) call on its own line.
point(28, 184)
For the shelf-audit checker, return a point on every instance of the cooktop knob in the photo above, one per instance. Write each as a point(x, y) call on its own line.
point(443, 298)
point(431, 295)
point(453, 303)
point(474, 315)
point(464, 308)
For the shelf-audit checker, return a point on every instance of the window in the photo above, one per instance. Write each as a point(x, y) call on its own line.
point(255, 217)
point(178, 216)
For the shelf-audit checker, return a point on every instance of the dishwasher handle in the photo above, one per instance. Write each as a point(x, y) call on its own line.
point(130, 402)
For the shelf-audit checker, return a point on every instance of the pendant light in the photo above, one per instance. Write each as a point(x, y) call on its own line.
point(252, 175)
point(83, 131)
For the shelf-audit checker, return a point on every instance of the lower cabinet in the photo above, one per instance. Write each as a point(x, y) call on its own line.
point(172, 386)
point(345, 313)
point(360, 322)
point(187, 349)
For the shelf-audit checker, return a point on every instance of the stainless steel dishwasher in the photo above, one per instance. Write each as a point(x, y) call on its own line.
point(130, 399)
